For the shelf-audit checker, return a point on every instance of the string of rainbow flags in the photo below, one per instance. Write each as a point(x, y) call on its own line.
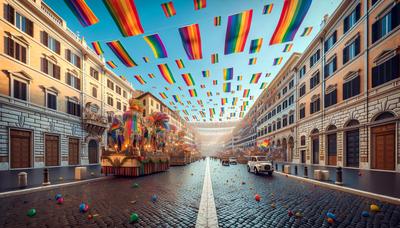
point(238, 27)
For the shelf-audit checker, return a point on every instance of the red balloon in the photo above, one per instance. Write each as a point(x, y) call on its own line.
point(257, 197)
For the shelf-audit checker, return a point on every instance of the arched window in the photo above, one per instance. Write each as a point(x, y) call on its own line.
point(303, 140)
point(384, 115)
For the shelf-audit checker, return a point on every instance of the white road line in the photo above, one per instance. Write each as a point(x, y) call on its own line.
point(207, 216)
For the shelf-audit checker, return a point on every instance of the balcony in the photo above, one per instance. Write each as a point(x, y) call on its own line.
point(94, 123)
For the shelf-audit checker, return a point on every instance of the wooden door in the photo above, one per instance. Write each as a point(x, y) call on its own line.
point(315, 149)
point(383, 147)
point(52, 150)
point(20, 149)
point(73, 152)
point(332, 149)
point(352, 148)
point(93, 152)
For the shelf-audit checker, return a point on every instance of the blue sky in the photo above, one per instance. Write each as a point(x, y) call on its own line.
point(213, 38)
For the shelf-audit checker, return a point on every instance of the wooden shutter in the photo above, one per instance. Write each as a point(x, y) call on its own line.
point(56, 71)
point(78, 83)
point(345, 54)
point(23, 54)
point(346, 24)
point(29, 27)
point(68, 55)
point(58, 47)
point(68, 78)
point(78, 62)
point(9, 14)
point(45, 38)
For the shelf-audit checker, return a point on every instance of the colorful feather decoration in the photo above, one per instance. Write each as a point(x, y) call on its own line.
point(121, 53)
point(199, 4)
point(226, 87)
point(255, 78)
point(292, 16)
point(179, 63)
point(228, 73)
point(191, 40)
point(169, 9)
point(307, 31)
point(192, 93)
point(268, 9)
point(97, 48)
point(205, 73)
point(125, 16)
point(287, 48)
point(255, 45)
point(166, 73)
point(217, 21)
point(111, 64)
point(156, 45)
point(237, 31)
point(188, 79)
point(252, 61)
point(140, 79)
point(277, 61)
point(214, 58)
point(82, 11)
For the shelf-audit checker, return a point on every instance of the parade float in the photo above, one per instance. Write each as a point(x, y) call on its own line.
point(136, 145)
point(180, 153)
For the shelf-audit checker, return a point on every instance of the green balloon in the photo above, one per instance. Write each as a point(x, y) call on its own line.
point(135, 185)
point(31, 212)
point(133, 218)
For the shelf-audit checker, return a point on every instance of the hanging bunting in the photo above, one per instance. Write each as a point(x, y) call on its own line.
point(111, 64)
point(307, 31)
point(163, 95)
point(205, 73)
point(185, 112)
point(217, 21)
point(97, 48)
point(82, 12)
point(212, 111)
point(192, 93)
point(277, 61)
point(215, 82)
point(176, 98)
point(268, 9)
point(121, 53)
point(209, 94)
point(140, 79)
point(239, 78)
point(179, 63)
point(166, 73)
point(190, 36)
point(255, 78)
point(267, 75)
point(237, 31)
point(156, 45)
point(199, 4)
point(292, 16)
point(202, 86)
point(169, 9)
point(263, 85)
point(224, 101)
point(239, 87)
point(214, 58)
point(234, 101)
point(226, 87)
point(125, 16)
point(228, 73)
point(252, 61)
point(288, 48)
point(200, 102)
point(188, 79)
point(146, 59)
point(151, 75)
point(246, 92)
point(255, 45)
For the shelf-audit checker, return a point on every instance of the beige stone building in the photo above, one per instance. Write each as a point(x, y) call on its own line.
point(55, 92)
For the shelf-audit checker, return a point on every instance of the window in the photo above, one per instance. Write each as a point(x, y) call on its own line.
point(314, 58)
point(284, 122)
point(351, 88)
point(351, 50)
point(314, 80)
point(269, 115)
point(330, 67)
point(302, 71)
point(373, 2)
point(94, 91)
point(124, 108)
point(291, 99)
point(15, 49)
point(273, 112)
point(278, 109)
point(50, 42)
point(124, 94)
point(291, 119)
point(110, 101)
point(94, 73)
point(119, 105)
point(284, 104)
point(73, 58)
point(144, 112)
point(302, 90)
point(15, 18)
point(386, 24)
point(110, 84)
point(273, 126)
point(73, 108)
point(284, 90)
point(20, 90)
point(315, 106)
point(352, 19)
point(291, 84)
point(386, 71)
point(144, 102)
point(73, 81)
point(303, 140)
point(50, 68)
point(151, 101)
point(269, 129)
point(52, 101)
point(302, 112)
point(278, 125)
point(331, 98)
point(328, 44)
point(118, 89)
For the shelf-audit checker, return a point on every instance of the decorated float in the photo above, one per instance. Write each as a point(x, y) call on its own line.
point(180, 152)
point(136, 145)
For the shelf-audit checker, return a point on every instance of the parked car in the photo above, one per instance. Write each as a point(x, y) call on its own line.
point(260, 164)
point(232, 161)
point(225, 162)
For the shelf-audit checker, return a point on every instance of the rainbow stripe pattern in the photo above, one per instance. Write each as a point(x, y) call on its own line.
point(199, 4)
point(188, 79)
point(255, 78)
point(209, 94)
point(215, 82)
point(263, 85)
point(156, 45)
point(140, 79)
point(217, 21)
point(246, 92)
point(151, 75)
point(191, 40)
point(125, 16)
point(292, 16)
point(169, 9)
point(111, 64)
point(287, 48)
point(214, 58)
point(212, 111)
point(146, 59)
point(176, 98)
point(255, 45)
point(82, 11)
point(268, 9)
point(121, 53)
point(228, 73)
point(200, 102)
point(224, 101)
point(179, 63)
point(205, 73)
point(307, 31)
point(237, 31)
point(202, 86)
point(166, 73)
point(267, 75)
point(239, 78)
point(239, 87)
point(234, 101)
point(277, 61)
point(97, 48)
point(252, 61)
point(185, 112)
point(192, 93)
point(226, 87)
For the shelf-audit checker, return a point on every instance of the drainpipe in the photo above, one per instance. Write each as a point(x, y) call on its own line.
point(366, 57)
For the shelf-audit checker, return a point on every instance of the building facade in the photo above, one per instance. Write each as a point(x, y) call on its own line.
point(55, 92)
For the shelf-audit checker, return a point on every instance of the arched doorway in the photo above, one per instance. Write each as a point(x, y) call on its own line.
point(352, 140)
point(93, 149)
point(315, 146)
point(291, 147)
point(284, 150)
point(383, 142)
point(331, 141)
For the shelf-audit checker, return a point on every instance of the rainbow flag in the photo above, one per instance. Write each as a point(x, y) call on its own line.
point(239, 78)
point(185, 112)
point(169, 9)
point(263, 85)
point(199, 4)
point(237, 31)
point(111, 64)
point(234, 101)
point(215, 82)
point(125, 16)
point(228, 74)
point(226, 87)
point(292, 16)
point(188, 102)
point(288, 47)
point(156, 45)
point(267, 75)
point(277, 61)
point(151, 75)
point(140, 79)
point(179, 63)
point(146, 60)
point(268, 9)
point(214, 58)
point(209, 94)
point(251, 98)
point(246, 92)
point(166, 73)
point(186, 118)
point(239, 87)
point(121, 53)
point(97, 48)
point(255, 78)
point(224, 101)
point(255, 45)
point(192, 93)
point(180, 88)
point(205, 73)
point(191, 41)
point(163, 95)
point(82, 11)
point(307, 31)
point(176, 98)
point(217, 21)
point(252, 61)
point(202, 86)
point(212, 111)
point(200, 102)
point(188, 79)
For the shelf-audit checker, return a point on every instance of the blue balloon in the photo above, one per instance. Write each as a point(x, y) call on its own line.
point(82, 207)
point(154, 198)
point(58, 196)
point(331, 215)
point(365, 214)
